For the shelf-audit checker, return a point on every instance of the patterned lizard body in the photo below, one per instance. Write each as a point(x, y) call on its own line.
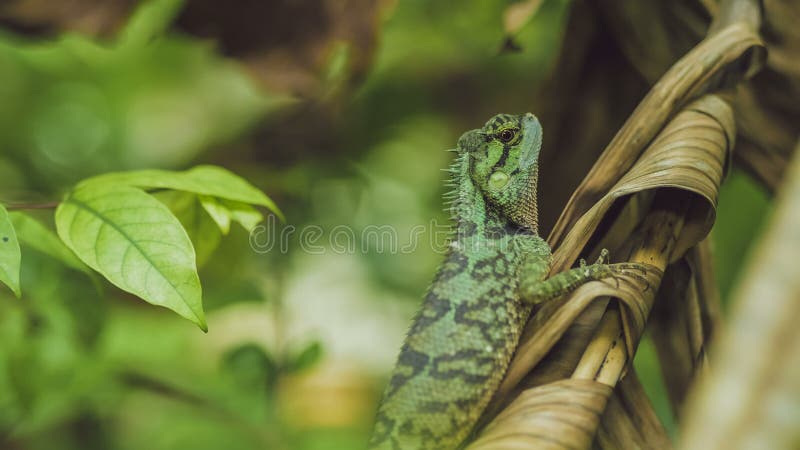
point(461, 341)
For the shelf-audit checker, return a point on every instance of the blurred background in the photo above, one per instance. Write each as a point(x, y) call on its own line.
point(341, 111)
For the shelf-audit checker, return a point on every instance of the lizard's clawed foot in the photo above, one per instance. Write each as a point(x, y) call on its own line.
point(603, 258)
point(630, 269)
point(635, 266)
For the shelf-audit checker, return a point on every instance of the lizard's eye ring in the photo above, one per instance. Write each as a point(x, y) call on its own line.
point(507, 135)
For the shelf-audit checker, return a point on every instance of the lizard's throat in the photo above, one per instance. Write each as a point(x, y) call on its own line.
point(525, 212)
point(474, 216)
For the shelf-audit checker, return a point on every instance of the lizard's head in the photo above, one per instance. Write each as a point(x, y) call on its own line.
point(503, 163)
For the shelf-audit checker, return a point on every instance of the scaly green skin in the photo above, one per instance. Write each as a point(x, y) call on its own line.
point(460, 343)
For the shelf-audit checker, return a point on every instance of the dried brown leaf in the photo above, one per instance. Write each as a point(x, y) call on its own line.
point(733, 53)
point(559, 415)
point(687, 157)
point(684, 320)
point(629, 418)
point(752, 399)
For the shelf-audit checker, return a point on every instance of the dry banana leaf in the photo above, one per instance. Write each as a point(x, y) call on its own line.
point(733, 53)
point(593, 89)
point(687, 158)
point(559, 415)
point(652, 34)
point(630, 419)
point(650, 198)
point(768, 109)
point(752, 399)
point(684, 320)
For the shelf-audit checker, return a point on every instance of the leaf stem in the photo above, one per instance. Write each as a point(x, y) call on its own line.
point(23, 206)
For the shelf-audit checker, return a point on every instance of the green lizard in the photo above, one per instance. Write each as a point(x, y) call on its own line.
point(461, 341)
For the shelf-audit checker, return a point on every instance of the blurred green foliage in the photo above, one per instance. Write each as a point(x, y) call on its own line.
point(299, 344)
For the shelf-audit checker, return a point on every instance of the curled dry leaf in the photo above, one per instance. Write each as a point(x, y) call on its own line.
point(630, 419)
point(768, 108)
point(732, 53)
point(686, 162)
point(752, 398)
point(558, 415)
point(685, 319)
point(653, 34)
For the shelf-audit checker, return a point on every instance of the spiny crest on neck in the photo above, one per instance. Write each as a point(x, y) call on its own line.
point(497, 165)
point(455, 198)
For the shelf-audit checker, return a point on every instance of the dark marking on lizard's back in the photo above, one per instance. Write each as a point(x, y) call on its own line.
point(470, 365)
point(467, 229)
point(496, 266)
point(455, 264)
point(433, 406)
point(435, 308)
point(469, 314)
point(412, 359)
point(383, 427)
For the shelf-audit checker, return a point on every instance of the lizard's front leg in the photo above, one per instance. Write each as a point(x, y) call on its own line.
point(535, 289)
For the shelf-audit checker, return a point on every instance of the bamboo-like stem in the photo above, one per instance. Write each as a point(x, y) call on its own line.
point(607, 332)
point(614, 362)
point(606, 357)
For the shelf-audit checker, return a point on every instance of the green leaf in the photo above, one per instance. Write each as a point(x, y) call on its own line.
point(224, 211)
point(204, 180)
point(34, 234)
point(217, 211)
point(149, 21)
point(305, 358)
point(10, 255)
point(250, 366)
point(201, 228)
point(134, 241)
point(243, 214)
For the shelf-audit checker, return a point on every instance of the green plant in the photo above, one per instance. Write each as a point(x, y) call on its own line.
point(126, 227)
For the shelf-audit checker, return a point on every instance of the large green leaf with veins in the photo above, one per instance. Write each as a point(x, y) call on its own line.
point(204, 180)
point(10, 256)
point(136, 243)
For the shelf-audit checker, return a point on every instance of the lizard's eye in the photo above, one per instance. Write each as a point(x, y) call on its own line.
point(507, 135)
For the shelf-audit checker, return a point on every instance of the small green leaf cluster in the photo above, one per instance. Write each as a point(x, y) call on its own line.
point(252, 366)
point(144, 231)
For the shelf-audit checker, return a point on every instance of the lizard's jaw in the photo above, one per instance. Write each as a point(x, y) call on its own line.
point(524, 210)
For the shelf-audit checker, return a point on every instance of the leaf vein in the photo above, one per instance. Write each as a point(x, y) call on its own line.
point(106, 221)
